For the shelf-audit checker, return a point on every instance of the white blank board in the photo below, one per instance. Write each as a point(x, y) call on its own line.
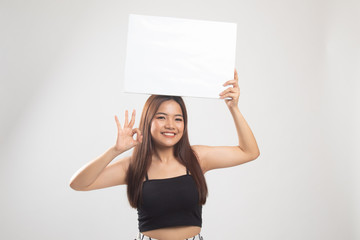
point(183, 57)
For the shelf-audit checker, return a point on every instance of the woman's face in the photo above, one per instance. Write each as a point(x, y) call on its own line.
point(167, 126)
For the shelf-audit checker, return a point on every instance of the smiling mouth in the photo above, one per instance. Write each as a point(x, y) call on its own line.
point(168, 134)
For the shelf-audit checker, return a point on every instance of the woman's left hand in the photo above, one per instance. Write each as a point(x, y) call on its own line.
point(231, 92)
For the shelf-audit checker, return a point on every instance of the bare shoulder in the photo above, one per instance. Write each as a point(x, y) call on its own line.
point(200, 151)
point(123, 163)
point(121, 166)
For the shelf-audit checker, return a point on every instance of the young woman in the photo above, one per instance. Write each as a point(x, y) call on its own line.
point(165, 175)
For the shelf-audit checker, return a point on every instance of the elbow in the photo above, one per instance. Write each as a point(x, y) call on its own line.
point(73, 186)
point(254, 155)
point(257, 153)
point(76, 187)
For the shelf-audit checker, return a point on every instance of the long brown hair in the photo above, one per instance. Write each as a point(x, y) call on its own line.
point(142, 154)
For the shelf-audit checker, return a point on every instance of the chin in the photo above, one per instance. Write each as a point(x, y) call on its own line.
point(166, 144)
point(162, 144)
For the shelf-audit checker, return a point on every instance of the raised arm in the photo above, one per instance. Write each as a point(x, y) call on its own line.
point(99, 173)
point(211, 157)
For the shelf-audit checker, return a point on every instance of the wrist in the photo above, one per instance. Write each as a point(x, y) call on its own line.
point(234, 108)
point(115, 151)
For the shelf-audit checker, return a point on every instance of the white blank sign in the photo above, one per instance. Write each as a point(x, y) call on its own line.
point(183, 57)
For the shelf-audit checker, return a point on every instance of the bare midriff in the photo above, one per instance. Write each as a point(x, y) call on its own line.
point(173, 233)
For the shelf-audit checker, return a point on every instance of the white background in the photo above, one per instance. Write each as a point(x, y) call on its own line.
point(61, 71)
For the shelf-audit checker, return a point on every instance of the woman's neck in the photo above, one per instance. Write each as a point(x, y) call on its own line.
point(164, 155)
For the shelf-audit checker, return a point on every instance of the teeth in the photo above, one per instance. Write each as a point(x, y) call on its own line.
point(169, 134)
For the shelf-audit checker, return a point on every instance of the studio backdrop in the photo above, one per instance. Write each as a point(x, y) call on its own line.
point(62, 73)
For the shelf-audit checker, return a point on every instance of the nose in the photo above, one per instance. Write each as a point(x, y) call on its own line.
point(169, 124)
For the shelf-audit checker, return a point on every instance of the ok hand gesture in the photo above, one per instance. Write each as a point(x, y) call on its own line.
point(125, 138)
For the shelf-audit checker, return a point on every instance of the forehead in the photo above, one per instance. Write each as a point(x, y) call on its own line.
point(170, 107)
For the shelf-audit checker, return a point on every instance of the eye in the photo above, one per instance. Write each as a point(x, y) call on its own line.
point(160, 117)
point(179, 119)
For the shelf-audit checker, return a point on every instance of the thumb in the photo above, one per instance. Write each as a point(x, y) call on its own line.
point(138, 134)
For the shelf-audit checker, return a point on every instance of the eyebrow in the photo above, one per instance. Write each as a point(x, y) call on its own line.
point(177, 115)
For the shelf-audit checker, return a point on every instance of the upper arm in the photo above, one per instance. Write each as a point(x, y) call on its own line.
point(211, 157)
point(113, 174)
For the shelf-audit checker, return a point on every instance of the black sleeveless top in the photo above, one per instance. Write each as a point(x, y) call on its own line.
point(169, 202)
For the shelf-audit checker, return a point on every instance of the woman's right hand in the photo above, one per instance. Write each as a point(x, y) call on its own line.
point(125, 138)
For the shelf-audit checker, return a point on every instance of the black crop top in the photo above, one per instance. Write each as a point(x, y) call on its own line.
point(169, 202)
